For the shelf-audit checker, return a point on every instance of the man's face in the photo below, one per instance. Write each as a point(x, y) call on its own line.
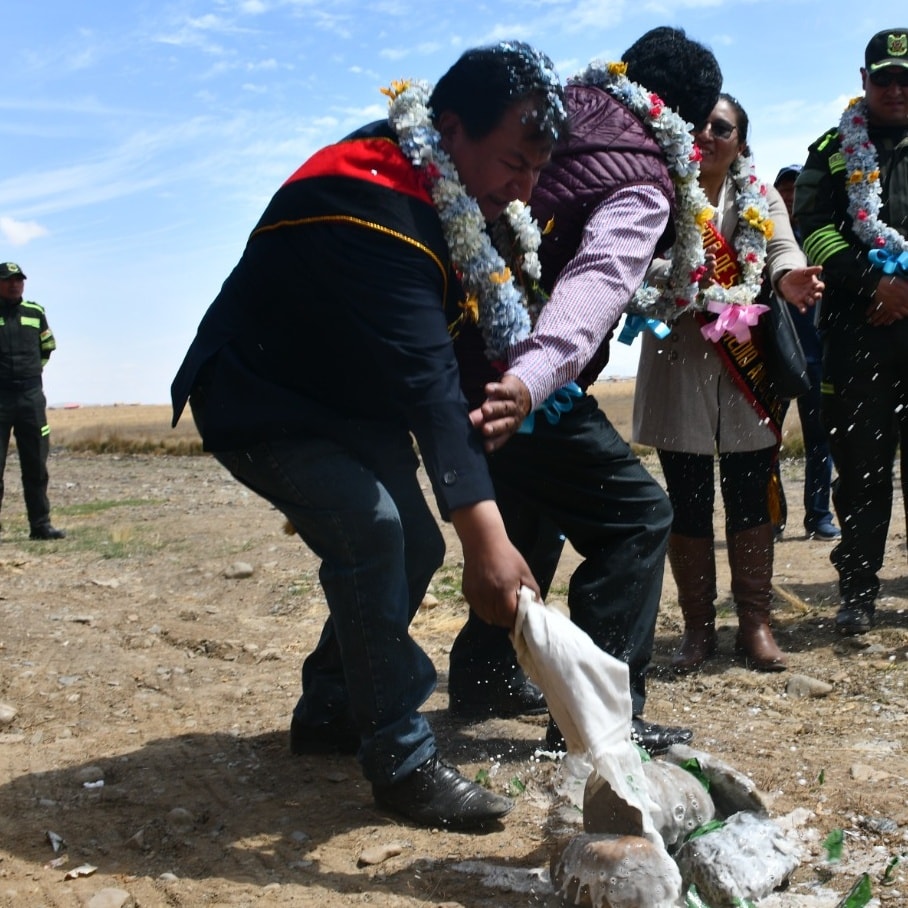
point(886, 95)
point(502, 166)
point(786, 189)
point(11, 288)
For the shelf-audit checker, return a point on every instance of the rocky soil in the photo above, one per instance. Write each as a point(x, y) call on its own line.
point(147, 680)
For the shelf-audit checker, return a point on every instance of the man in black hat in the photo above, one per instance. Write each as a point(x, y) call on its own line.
point(851, 203)
point(611, 203)
point(26, 343)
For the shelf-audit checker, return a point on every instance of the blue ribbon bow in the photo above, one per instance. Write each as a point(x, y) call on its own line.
point(558, 402)
point(634, 324)
point(889, 263)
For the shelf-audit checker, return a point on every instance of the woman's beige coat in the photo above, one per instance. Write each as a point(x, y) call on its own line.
point(685, 399)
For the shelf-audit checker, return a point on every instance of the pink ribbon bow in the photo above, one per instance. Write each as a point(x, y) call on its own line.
point(734, 318)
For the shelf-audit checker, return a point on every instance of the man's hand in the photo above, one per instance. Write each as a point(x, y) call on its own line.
point(506, 405)
point(890, 301)
point(493, 570)
point(802, 287)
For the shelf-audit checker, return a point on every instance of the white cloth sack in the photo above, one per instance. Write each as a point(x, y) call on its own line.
point(588, 695)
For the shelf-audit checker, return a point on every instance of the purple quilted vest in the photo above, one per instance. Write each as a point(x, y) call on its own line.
point(608, 149)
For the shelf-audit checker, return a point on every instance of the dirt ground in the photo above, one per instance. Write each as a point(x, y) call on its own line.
point(129, 655)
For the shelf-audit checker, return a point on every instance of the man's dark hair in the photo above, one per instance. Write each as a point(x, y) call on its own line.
point(684, 73)
point(486, 81)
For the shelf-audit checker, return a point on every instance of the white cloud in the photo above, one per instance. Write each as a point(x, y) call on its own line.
point(18, 233)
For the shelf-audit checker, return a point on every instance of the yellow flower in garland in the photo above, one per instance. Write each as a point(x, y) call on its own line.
point(617, 69)
point(470, 308)
point(397, 88)
point(758, 222)
point(856, 176)
point(500, 277)
point(703, 216)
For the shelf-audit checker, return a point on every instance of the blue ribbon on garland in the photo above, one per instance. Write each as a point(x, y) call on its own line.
point(889, 263)
point(634, 324)
point(558, 402)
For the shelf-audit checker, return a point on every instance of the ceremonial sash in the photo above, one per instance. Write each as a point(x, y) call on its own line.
point(743, 361)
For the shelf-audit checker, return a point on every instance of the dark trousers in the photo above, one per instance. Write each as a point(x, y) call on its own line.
point(865, 411)
point(359, 507)
point(23, 413)
point(817, 458)
point(579, 478)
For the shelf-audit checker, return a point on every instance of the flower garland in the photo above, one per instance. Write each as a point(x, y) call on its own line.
point(888, 248)
point(688, 261)
point(755, 228)
point(673, 134)
point(494, 298)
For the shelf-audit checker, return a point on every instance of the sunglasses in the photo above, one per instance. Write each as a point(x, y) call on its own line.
point(721, 129)
point(884, 78)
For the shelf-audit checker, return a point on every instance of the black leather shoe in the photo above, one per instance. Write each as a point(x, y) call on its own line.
point(46, 532)
point(656, 739)
point(335, 737)
point(517, 697)
point(852, 620)
point(436, 794)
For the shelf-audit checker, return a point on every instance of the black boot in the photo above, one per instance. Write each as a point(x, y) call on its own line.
point(854, 618)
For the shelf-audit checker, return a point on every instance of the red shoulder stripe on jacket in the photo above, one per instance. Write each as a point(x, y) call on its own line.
point(377, 160)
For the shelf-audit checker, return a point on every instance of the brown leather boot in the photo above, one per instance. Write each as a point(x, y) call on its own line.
point(693, 562)
point(750, 558)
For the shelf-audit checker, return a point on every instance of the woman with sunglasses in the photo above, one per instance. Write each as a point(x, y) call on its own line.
point(852, 208)
point(702, 389)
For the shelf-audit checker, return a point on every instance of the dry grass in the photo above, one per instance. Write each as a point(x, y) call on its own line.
point(117, 429)
point(145, 429)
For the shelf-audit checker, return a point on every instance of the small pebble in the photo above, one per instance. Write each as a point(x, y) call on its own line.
point(379, 853)
point(7, 713)
point(239, 570)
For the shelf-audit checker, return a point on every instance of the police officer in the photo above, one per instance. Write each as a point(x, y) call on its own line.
point(851, 202)
point(26, 343)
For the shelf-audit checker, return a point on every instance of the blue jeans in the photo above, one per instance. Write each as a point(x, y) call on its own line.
point(359, 507)
point(817, 459)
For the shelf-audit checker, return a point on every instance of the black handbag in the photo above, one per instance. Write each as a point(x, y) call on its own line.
point(782, 352)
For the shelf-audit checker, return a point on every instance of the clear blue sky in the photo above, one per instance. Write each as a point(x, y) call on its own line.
point(140, 141)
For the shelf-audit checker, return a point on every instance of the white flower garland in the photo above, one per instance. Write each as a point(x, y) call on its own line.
point(754, 229)
point(673, 134)
point(864, 191)
point(494, 297)
point(688, 261)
